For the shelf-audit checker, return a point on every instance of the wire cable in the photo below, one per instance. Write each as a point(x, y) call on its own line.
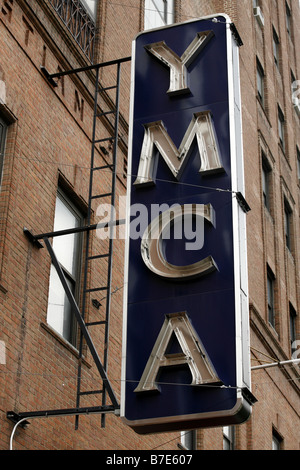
point(161, 180)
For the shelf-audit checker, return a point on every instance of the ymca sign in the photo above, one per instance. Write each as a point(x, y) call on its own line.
point(185, 332)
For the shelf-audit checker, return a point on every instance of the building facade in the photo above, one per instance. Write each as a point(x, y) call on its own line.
point(56, 145)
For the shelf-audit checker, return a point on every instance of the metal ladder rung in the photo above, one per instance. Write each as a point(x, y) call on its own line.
point(91, 392)
point(95, 289)
point(112, 87)
point(103, 140)
point(104, 255)
point(103, 167)
point(95, 323)
point(104, 113)
point(97, 196)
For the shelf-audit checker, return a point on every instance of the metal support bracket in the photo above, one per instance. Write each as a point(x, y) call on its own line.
point(35, 239)
point(21, 419)
point(51, 77)
point(48, 77)
point(249, 396)
point(242, 202)
point(82, 325)
point(236, 35)
point(16, 418)
point(32, 238)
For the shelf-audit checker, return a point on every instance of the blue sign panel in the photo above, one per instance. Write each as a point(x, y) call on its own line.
point(185, 339)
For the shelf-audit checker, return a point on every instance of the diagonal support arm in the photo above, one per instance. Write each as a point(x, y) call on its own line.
point(82, 325)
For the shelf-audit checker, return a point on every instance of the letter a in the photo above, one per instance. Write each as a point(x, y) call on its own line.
point(193, 354)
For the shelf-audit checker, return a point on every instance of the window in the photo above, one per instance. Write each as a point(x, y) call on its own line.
point(293, 317)
point(281, 126)
point(258, 13)
point(294, 90)
point(270, 297)
point(266, 182)
point(90, 6)
point(295, 85)
point(276, 441)
point(68, 252)
point(288, 225)
point(298, 162)
point(158, 13)
point(79, 18)
point(276, 48)
point(228, 438)
point(288, 19)
point(3, 131)
point(260, 82)
point(188, 440)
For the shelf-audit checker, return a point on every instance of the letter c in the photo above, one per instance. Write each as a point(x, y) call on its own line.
point(151, 244)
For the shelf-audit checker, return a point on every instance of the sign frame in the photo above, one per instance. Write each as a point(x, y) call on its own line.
point(244, 398)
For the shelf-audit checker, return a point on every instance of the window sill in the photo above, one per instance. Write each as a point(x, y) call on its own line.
point(290, 255)
point(282, 152)
point(264, 112)
point(268, 214)
point(273, 330)
point(64, 342)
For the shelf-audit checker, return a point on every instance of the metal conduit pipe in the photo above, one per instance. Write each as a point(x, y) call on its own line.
point(13, 432)
point(274, 364)
point(56, 413)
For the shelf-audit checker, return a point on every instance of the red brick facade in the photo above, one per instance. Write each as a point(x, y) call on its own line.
point(48, 144)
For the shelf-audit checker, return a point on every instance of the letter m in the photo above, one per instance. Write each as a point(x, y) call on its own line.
point(156, 135)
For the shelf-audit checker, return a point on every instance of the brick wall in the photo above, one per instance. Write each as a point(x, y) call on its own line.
point(49, 140)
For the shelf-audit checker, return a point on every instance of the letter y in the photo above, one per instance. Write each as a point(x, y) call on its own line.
point(178, 65)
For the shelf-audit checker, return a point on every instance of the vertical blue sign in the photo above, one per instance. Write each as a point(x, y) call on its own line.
point(185, 336)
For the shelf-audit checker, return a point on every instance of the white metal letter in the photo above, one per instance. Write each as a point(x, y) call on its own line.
point(156, 135)
point(178, 65)
point(152, 244)
point(193, 354)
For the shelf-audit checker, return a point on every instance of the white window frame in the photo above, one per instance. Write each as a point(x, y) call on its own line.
point(228, 437)
point(188, 440)
point(90, 6)
point(59, 315)
point(155, 16)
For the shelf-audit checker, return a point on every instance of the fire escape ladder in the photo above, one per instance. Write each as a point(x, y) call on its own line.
point(108, 255)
